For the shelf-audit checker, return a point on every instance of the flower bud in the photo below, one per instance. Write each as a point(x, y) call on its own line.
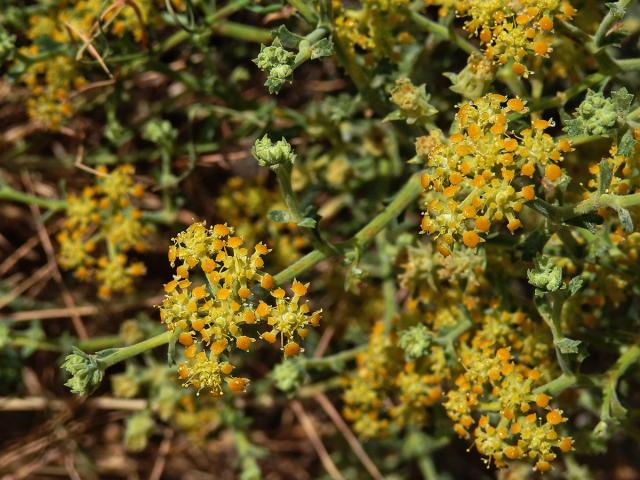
point(269, 154)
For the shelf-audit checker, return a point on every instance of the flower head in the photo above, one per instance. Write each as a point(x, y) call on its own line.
point(213, 302)
point(470, 178)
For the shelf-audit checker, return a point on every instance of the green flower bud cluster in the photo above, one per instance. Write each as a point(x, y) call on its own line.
point(545, 275)
point(597, 114)
point(269, 154)
point(288, 375)
point(416, 341)
point(160, 132)
point(85, 373)
point(413, 103)
point(277, 63)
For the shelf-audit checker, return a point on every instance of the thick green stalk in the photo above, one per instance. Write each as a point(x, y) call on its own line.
point(283, 172)
point(407, 194)
point(554, 387)
point(227, 10)
point(305, 11)
point(331, 360)
point(442, 32)
point(241, 31)
point(611, 200)
point(300, 266)
point(629, 64)
point(124, 353)
point(607, 22)
point(89, 345)
point(8, 193)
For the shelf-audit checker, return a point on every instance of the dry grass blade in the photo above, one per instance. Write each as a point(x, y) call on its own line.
point(51, 313)
point(163, 452)
point(43, 403)
point(45, 240)
point(89, 46)
point(17, 254)
point(351, 439)
point(316, 441)
point(40, 274)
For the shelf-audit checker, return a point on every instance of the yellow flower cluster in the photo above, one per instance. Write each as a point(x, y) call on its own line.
point(374, 27)
point(469, 179)
point(53, 75)
point(384, 392)
point(524, 426)
point(625, 171)
point(511, 30)
point(103, 215)
point(216, 312)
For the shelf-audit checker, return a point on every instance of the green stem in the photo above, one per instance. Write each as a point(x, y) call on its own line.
point(557, 302)
point(305, 11)
point(241, 31)
point(407, 194)
point(451, 336)
point(554, 387)
point(388, 283)
point(607, 22)
point(629, 64)
point(442, 32)
point(300, 266)
point(98, 343)
point(124, 353)
point(227, 10)
point(563, 97)
point(320, 387)
point(283, 172)
point(427, 468)
point(375, 97)
point(8, 193)
point(611, 200)
point(331, 361)
point(89, 345)
point(35, 344)
point(167, 217)
point(611, 406)
point(304, 48)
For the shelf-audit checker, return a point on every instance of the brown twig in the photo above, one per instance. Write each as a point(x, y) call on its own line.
point(26, 404)
point(79, 163)
point(351, 439)
point(41, 273)
point(161, 459)
point(88, 46)
point(316, 441)
point(323, 343)
point(17, 254)
point(45, 240)
point(51, 313)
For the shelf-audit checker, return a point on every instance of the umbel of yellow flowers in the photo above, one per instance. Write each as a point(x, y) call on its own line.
point(101, 229)
point(213, 301)
point(469, 178)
